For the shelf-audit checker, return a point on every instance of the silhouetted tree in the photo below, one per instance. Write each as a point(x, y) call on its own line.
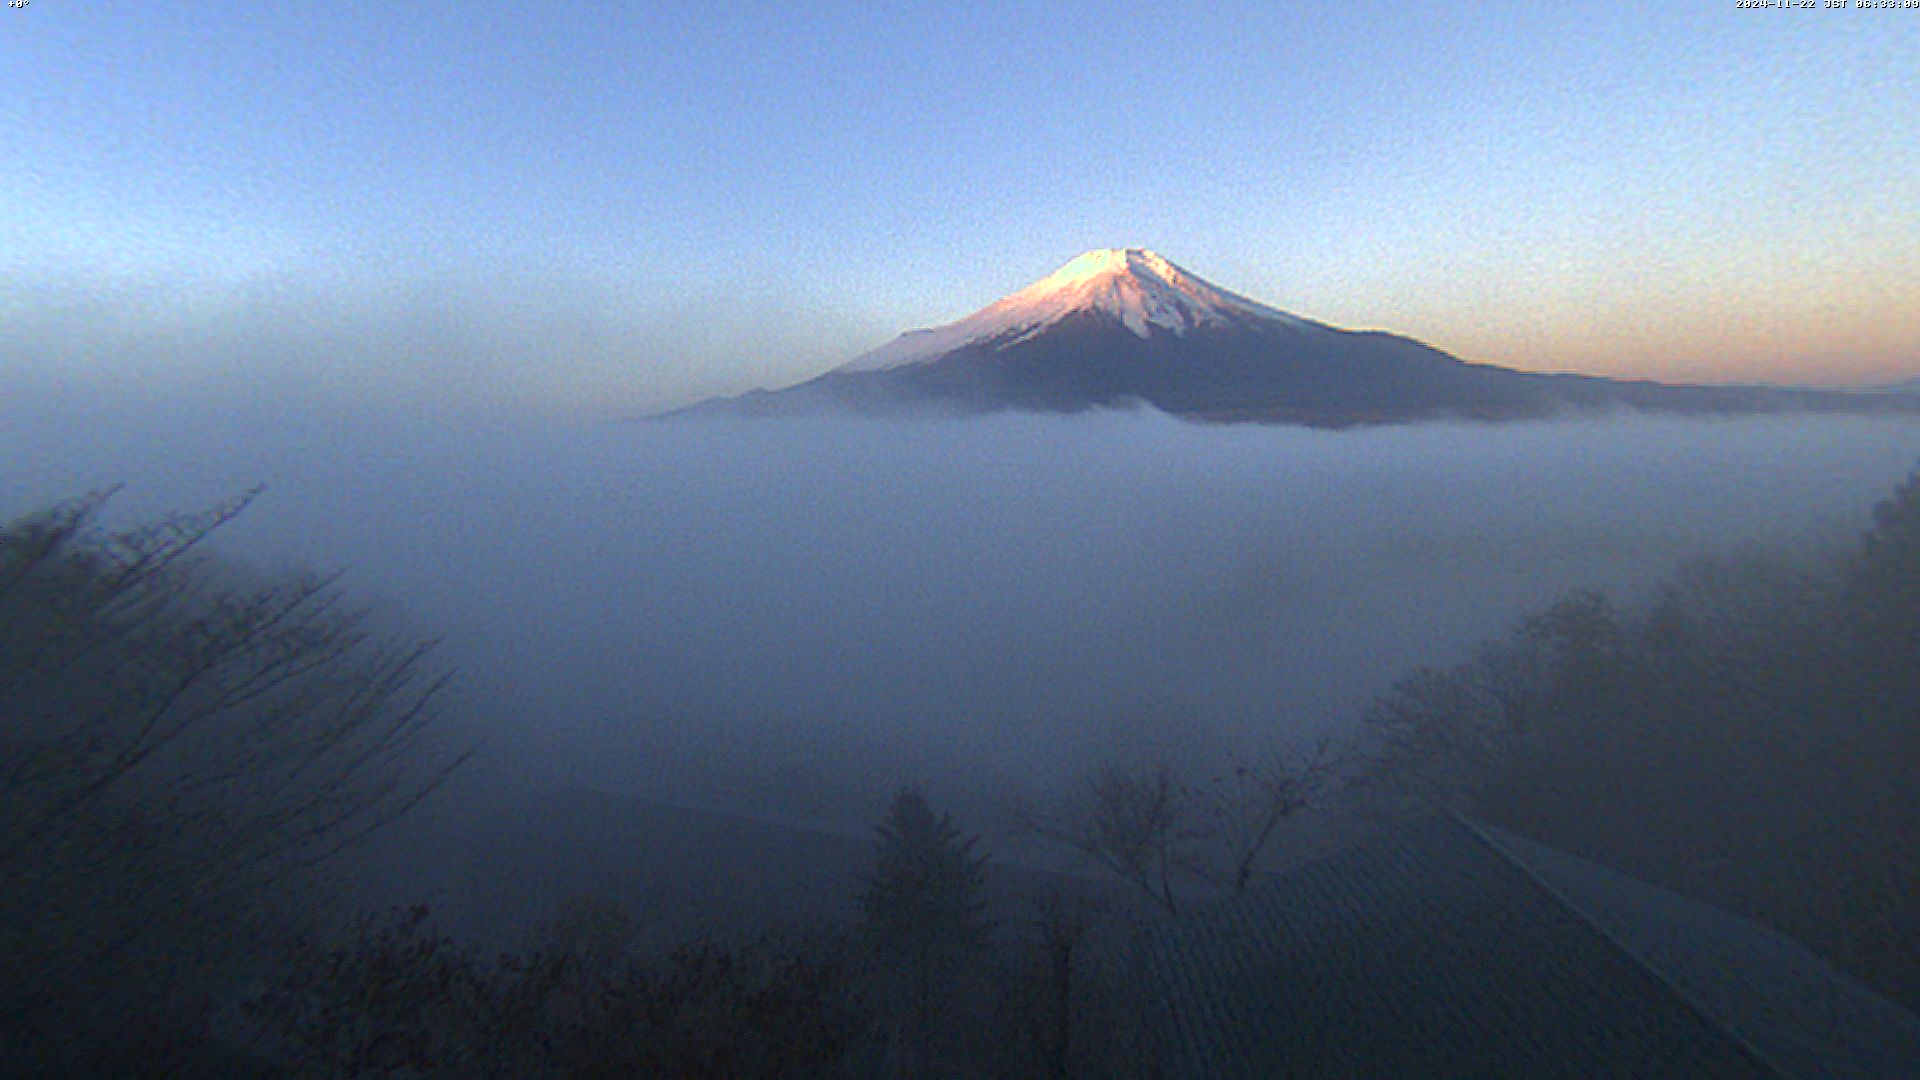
point(1883, 586)
point(177, 742)
point(1067, 998)
point(1751, 734)
point(397, 999)
point(922, 904)
point(1062, 925)
point(1159, 833)
point(1239, 810)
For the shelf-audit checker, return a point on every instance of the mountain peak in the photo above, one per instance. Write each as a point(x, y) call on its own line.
point(1104, 261)
point(1116, 326)
point(1135, 287)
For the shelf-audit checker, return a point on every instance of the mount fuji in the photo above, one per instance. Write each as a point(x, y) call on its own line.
point(1119, 327)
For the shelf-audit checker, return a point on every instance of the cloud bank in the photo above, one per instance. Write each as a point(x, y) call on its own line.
point(801, 614)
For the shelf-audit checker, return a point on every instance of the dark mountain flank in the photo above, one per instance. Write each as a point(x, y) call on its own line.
point(1119, 328)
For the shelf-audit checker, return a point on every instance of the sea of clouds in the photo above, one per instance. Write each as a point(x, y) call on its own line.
point(800, 614)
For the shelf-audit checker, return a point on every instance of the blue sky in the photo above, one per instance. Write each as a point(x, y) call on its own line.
point(592, 206)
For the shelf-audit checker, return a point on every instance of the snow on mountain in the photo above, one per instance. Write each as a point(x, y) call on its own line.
point(1125, 327)
point(1134, 286)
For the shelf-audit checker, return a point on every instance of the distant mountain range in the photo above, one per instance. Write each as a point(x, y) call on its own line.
point(1117, 327)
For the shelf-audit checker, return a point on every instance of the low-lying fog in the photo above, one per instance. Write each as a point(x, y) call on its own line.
point(800, 615)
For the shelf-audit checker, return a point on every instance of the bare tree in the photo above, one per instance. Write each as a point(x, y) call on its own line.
point(1160, 834)
point(1440, 737)
point(176, 740)
point(1130, 824)
point(1062, 925)
point(1238, 812)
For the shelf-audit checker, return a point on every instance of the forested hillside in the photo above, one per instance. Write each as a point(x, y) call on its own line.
point(1751, 736)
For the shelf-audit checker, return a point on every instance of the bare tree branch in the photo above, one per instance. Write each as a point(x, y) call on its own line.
point(176, 739)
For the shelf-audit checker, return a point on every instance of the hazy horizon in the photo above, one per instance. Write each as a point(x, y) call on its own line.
point(598, 210)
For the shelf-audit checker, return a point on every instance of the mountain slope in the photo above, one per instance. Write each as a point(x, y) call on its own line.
point(1123, 326)
point(1134, 287)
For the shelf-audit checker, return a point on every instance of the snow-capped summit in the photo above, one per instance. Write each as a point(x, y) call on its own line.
point(1123, 327)
point(1134, 286)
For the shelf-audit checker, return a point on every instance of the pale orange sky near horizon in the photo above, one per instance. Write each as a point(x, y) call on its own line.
point(1833, 331)
point(596, 208)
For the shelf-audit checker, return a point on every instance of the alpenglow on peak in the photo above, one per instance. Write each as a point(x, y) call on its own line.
point(1134, 286)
